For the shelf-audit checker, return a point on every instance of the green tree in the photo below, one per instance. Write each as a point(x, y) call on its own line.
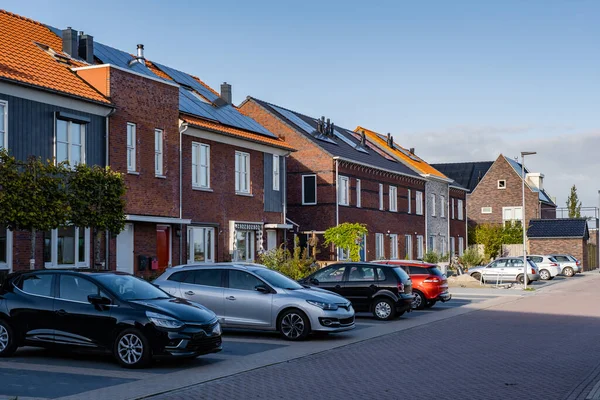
point(491, 237)
point(347, 236)
point(573, 204)
point(512, 233)
point(296, 265)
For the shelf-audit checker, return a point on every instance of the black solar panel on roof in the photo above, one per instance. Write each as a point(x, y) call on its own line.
point(558, 228)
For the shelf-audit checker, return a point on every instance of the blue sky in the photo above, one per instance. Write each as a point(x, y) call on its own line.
point(458, 80)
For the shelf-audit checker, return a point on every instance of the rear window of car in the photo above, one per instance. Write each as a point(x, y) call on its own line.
point(536, 259)
point(401, 274)
point(434, 271)
point(562, 258)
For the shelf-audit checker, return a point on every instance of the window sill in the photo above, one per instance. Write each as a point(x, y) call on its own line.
point(201, 189)
point(345, 205)
point(160, 176)
point(133, 173)
point(309, 204)
point(64, 266)
point(244, 194)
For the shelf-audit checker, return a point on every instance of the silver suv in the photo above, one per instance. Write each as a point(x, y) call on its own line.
point(506, 269)
point(251, 296)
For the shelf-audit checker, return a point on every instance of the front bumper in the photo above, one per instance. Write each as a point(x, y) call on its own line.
point(339, 320)
point(190, 341)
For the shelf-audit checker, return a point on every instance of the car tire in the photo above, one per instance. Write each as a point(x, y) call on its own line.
point(568, 271)
point(419, 301)
point(430, 303)
point(8, 341)
point(520, 279)
point(293, 325)
point(132, 349)
point(477, 276)
point(545, 275)
point(383, 309)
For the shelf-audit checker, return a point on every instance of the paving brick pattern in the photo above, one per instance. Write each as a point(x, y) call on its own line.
point(531, 348)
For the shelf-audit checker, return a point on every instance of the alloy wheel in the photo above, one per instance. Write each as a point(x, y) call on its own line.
point(568, 271)
point(383, 310)
point(292, 325)
point(4, 338)
point(130, 349)
point(545, 275)
point(417, 301)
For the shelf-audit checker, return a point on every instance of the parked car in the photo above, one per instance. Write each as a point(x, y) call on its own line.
point(108, 311)
point(428, 282)
point(569, 265)
point(384, 290)
point(251, 296)
point(547, 265)
point(506, 269)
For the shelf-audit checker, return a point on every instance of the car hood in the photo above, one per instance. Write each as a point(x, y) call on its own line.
point(180, 309)
point(317, 294)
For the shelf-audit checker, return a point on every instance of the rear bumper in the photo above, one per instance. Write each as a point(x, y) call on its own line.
point(404, 303)
point(533, 277)
point(444, 297)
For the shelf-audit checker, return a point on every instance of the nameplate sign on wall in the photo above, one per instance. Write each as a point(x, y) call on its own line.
point(244, 226)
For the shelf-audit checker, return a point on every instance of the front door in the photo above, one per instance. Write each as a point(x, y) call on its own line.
point(125, 249)
point(244, 305)
point(162, 246)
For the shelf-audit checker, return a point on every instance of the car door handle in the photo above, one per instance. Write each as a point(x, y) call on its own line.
point(230, 298)
point(338, 287)
point(190, 293)
point(61, 312)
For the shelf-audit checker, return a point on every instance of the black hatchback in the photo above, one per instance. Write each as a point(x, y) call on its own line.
point(384, 290)
point(107, 311)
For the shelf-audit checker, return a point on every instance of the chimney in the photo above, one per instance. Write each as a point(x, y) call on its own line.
point(363, 139)
point(390, 140)
point(86, 47)
point(412, 150)
point(140, 54)
point(226, 92)
point(535, 179)
point(70, 42)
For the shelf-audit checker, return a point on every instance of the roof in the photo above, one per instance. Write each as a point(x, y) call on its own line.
point(558, 228)
point(23, 59)
point(400, 153)
point(542, 194)
point(344, 144)
point(466, 174)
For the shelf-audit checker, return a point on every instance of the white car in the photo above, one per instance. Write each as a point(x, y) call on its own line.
point(569, 264)
point(547, 265)
point(506, 269)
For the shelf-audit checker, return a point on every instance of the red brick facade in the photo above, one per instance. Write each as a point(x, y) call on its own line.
point(577, 247)
point(458, 227)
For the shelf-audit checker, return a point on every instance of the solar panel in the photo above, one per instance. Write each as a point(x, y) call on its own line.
point(110, 55)
point(348, 141)
point(408, 154)
point(185, 79)
point(295, 119)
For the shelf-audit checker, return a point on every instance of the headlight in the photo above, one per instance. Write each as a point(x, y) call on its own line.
point(324, 306)
point(163, 321)
point(217, 329)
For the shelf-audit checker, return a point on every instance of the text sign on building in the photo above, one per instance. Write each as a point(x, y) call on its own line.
point(244, 226)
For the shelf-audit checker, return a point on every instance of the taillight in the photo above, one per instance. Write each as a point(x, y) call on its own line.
point(533, 271)
point(553, 264)
point(432, 280)
point(578, 262)
point(400, 287)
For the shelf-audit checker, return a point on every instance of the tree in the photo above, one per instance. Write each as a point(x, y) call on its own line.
point(347, 236)
point(573, 204)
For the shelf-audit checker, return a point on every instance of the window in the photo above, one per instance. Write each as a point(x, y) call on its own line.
point(379, 250)
point(393, 246)
point(452, 246)
point(5, 248)
point(158, 152)
point(358, 273)
point(443, 206)
point(244, 246)
point(241, 280)
point(201, 165)
point(331, 274)
point(68, 246)
point(431, 243)
point(442, 245)
point(343, 254)
point(271, 240)
point(461, 246)
point(433, 204)
point(343, 190)
point(409, 202)
point(242, 172)
point(460, 210)
point(486, 210)
point(76, 288)
point(419, 203)
point(502, 184)
point(452, 208)
point(381, 274)
point(381, 196)
point(419, 247)
point(201, 244)
point(131, 128)
point(408, 247)
point(3, 124)
point(393, 198)
point(276, 172)
point(205, 277)
point(512, 214)
point(309, 189)
point(70, 142)
point(358, 189)
point(37, 284)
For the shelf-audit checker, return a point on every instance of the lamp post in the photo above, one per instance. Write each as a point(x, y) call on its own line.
point(523, 219)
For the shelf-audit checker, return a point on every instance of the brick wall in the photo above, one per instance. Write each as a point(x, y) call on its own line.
point(575, 247)
point(458, 227)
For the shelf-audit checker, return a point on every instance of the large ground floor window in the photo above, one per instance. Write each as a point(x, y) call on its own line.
point(201, 244)
point(67, 246)
point(244, 246)
point(5, 248)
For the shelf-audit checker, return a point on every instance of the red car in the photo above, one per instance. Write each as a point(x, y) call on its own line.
point(429, 284)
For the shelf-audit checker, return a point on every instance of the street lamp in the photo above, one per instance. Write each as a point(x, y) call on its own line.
point(523, 219)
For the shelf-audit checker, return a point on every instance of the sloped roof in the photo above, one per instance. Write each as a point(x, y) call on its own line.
point(558, 228)
point(24, 60)
point(412, 160)
point(542, 194)
point(344, 144)
point(466, 174)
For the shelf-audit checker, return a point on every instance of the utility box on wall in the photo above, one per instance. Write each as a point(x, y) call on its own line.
point(154, 263)
point(142, 262)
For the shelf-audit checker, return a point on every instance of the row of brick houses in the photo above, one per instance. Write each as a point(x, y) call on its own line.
point(206, 180)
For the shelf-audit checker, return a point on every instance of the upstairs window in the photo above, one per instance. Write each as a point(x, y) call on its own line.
point(419, 203)
point(512, 214)
point(70, 142)
point(393, 198)
point(460, 210)
point(242, 172)
point(201, 165)
point(452, 206)
point(443, 206)
point(358, 194)
point(343, 190)
point(158, 152)
point(131, 128)
point(309, 189)
point(381, 196)
point(502, 184)
point(3, 124)
point(409, 202)
point(276, 177)
point(433, 205)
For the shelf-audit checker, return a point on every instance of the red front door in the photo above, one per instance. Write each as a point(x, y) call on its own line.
point(162, 246)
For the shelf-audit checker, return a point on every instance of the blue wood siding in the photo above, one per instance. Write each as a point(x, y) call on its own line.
point(31, 130)
point(273, 198)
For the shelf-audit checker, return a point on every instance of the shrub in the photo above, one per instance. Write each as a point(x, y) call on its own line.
point(471, 258)
point(295, 265)
point(431, 257)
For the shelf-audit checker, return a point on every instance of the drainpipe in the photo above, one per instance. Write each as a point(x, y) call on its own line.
point(107, 163)
point(185, 127)
point(337, 202)
point(426, 215)
point(284, 198)
point(448, 223)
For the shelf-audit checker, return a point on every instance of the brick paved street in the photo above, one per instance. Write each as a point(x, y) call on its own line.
point(535, 347)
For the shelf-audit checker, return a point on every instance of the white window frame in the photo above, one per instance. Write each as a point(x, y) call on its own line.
point(9, 246)
point(419, 202)
point(242, 177)
point(358, 193)
point(69, 141)
point(271, 239)
point(54, 251)
point(419, 247)
point(486, 210)
point(453, 208)
point(158, 152)
point(431, 243)
point(343, 190)
point(433, 205)
point(408, 250)
point(381, 206)
point(131, 147)
point(452, 246)
point(409, 202)
point(200, 166)
point(461, 246)
point(4, 117)
point(303, 202)
point(513, 211)
point(250, 246)
point(460, 210)
point(343, 254)
point(206, 231)
point(504, 184)
point(276, 177)
point(379, 247)
point(393, 195)
point(442, 206)
point(393, 246)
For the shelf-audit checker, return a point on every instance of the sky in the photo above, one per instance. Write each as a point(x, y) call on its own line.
point(457, 80)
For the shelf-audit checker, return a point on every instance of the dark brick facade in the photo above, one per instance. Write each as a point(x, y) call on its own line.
point(458, 228)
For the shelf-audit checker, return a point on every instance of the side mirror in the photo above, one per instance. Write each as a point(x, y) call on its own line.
point(98, 300)
point(262, 289)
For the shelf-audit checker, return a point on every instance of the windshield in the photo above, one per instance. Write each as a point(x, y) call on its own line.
point(275, 279)
point(127, 287)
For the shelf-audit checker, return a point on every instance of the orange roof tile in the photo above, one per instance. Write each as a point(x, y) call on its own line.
point(421, 166)
point(23, 60)
point(240, 133)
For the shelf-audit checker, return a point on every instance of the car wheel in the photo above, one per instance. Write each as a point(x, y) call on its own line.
point(568, 271)
point(521, 281)
point(8, 342)
point(419, 301)
point(430, 304)
point(383, 309)
point(294, 325)
point(545, 275)
point(477, 276)
point(132, 349)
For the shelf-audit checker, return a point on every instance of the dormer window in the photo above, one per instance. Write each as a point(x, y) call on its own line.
point(502, 184)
